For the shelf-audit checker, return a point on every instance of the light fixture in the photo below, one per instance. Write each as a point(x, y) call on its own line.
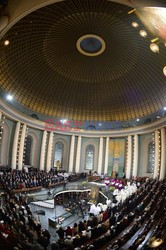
point(131, 11)
point(164, 70)
point(138, 120)
point(154, 40)
point(6, 42)
point(134, 24)
point(164, 108)
point(9, 97)
point(63, 121)
point(143, 33)
point(154, 47)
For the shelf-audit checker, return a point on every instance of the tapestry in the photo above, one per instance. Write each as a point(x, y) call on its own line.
point(116, 160)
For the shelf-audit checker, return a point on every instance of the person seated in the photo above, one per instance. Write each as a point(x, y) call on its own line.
point(77, 240)
point(60, 233)
point(75, 229)
point(88, 233)
point(68, 241)
point(69, 231)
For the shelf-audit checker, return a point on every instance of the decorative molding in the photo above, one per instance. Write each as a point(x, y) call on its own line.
point(15, 115)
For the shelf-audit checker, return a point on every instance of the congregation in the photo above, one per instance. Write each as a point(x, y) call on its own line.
point(16, 179)
point(112, 228)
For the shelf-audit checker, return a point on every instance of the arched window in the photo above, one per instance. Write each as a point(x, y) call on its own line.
point(58, 160)
point(151, 158)
point(35, 116)
point(27, 160)
point(89, 161)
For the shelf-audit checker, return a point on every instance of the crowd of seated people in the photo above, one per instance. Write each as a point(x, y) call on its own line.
point(104, 228)
point(157, 232)
point(18, 228)
point(110, 229)
point(19, 179)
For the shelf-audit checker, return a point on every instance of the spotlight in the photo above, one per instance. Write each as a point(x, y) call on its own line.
point(164, 70)
point(154, 47)
point(134, 24)
point(63, 121)
point(143, 33)
point(6, 42)
point(9, 97)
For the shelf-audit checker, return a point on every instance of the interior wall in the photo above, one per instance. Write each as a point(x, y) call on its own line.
point(66, 142)
point(144, 141)
point(36, 146)
point(7, 142)
point(85, 143)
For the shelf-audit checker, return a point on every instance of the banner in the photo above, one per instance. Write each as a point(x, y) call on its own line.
point(116, 162)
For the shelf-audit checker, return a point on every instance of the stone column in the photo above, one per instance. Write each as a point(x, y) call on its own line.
point(0, 116)
point(163, 166)
point(100, 159)
point(129, 158)
point(156, 160)
point(43, 151)
point(135, 165)
point(71, 159)
point(15, 145)
point(21, 148)
point(78, 156)
point(106, 155)
point(49, 151)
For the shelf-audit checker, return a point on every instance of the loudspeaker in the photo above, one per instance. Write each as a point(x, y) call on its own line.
point(52, 223)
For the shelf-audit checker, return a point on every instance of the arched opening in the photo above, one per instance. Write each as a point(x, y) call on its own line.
point(58, 159)
point(4, 144)
point(89, 157)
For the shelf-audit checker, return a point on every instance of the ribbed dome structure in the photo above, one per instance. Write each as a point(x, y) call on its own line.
point(46, 72)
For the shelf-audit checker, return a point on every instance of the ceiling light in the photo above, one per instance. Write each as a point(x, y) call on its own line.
point(63, 121)
point(154, 47)
point(6, 42)
point(134, 24)
point(9, 97)
point(143, 33)
point(138, 120)
point(164, 70)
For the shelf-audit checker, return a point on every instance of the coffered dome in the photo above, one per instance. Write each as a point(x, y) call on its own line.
point(83, 60)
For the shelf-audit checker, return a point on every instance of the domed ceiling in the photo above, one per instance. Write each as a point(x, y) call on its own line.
point(83, 60)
